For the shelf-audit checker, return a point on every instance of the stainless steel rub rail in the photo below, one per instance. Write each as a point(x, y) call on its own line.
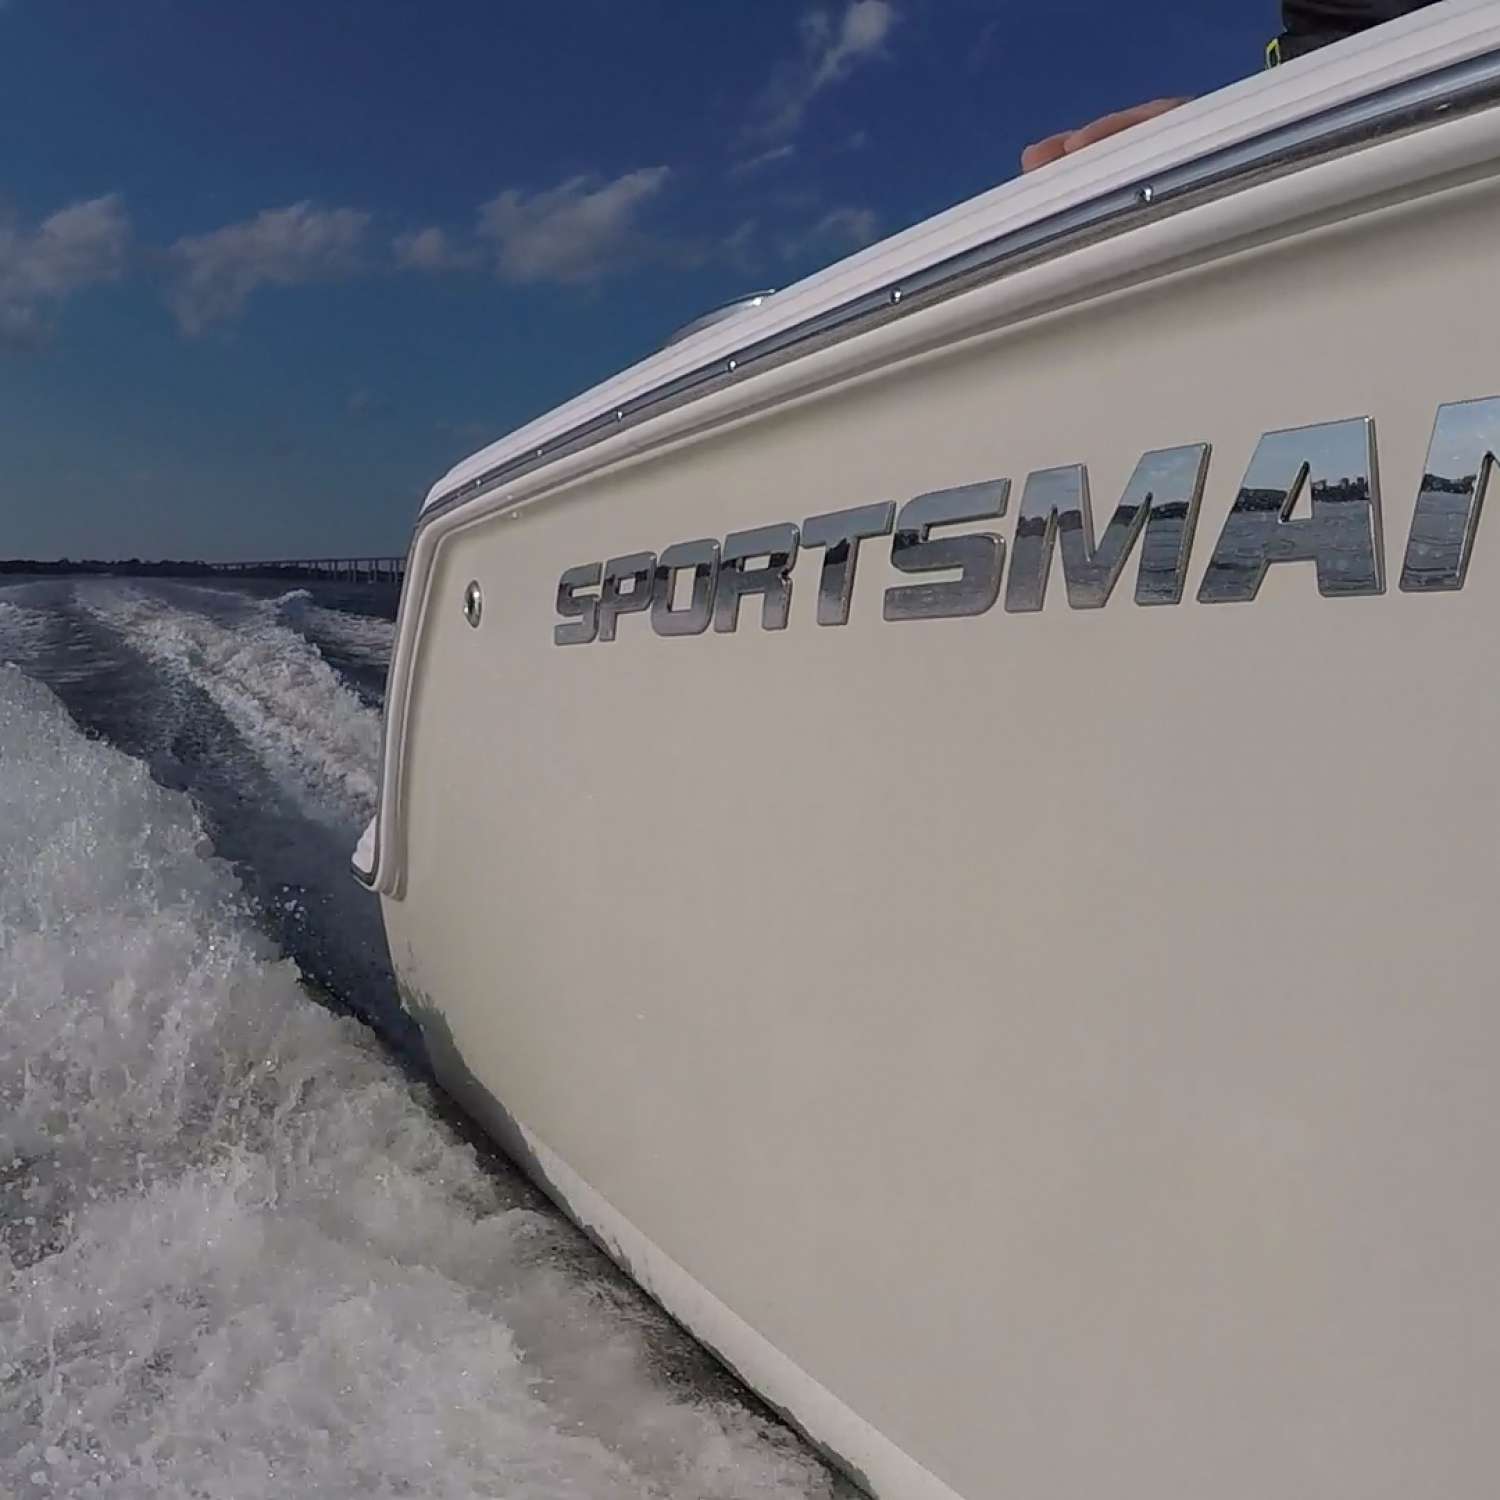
point(1458, 88)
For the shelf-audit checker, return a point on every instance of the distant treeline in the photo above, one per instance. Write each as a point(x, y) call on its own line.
point(168, 569)
point(353, 570)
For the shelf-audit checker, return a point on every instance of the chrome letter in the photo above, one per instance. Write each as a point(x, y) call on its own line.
point(1461, 458)
point(638, 567)
point(840, 532)
point(703, 558)
point(570, 602)
point(1336, 461)
point(1161, 498)
point(778, 545)
point(980, 554)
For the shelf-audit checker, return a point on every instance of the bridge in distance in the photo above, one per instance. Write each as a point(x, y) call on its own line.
point(342, 569)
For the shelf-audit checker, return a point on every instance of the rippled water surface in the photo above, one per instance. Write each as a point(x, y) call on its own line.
point(245, 1250)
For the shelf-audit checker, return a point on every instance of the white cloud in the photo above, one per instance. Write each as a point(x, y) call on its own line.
point(762, 159)
point(738, 248)
point(829, 52)
point(576, 232)
point(432, 249)
point(838, 232)
point(865, 26)
point(78, 246)
point(580, 231)
point(279, 247)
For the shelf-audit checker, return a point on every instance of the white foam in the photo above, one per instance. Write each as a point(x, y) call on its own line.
point(309, 729)
point(23, 631)
point(364, 637)
point(239, 1258)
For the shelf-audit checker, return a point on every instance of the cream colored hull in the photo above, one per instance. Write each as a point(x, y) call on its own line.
point(1051, 1054)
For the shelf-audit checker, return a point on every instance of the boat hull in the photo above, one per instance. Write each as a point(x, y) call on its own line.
point(1047, 1051)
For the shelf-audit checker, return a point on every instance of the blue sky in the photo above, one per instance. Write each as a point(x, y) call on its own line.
point(267, 269)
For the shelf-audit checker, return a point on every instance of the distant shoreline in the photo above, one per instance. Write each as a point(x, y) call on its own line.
point(168, 568)
point(133, 565)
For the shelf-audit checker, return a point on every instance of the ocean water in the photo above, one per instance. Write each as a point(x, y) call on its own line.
point(245, 1249)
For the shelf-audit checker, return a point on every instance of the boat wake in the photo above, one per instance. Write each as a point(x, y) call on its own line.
point(311, 731)
point(241, 1251)
point(360, 636)
point(24, 632)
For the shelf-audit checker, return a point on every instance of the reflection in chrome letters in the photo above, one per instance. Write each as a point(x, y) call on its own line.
point(637, 569)
point(570, 603)
point(980, 555)
point(1162, 496)
point(1336, 462)
point(1460, 461)
point(703, 558)
point(778, 545)
point(839, 533)
point(1332, 464)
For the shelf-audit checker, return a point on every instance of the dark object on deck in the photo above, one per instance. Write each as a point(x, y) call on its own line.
point(1310, 24)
